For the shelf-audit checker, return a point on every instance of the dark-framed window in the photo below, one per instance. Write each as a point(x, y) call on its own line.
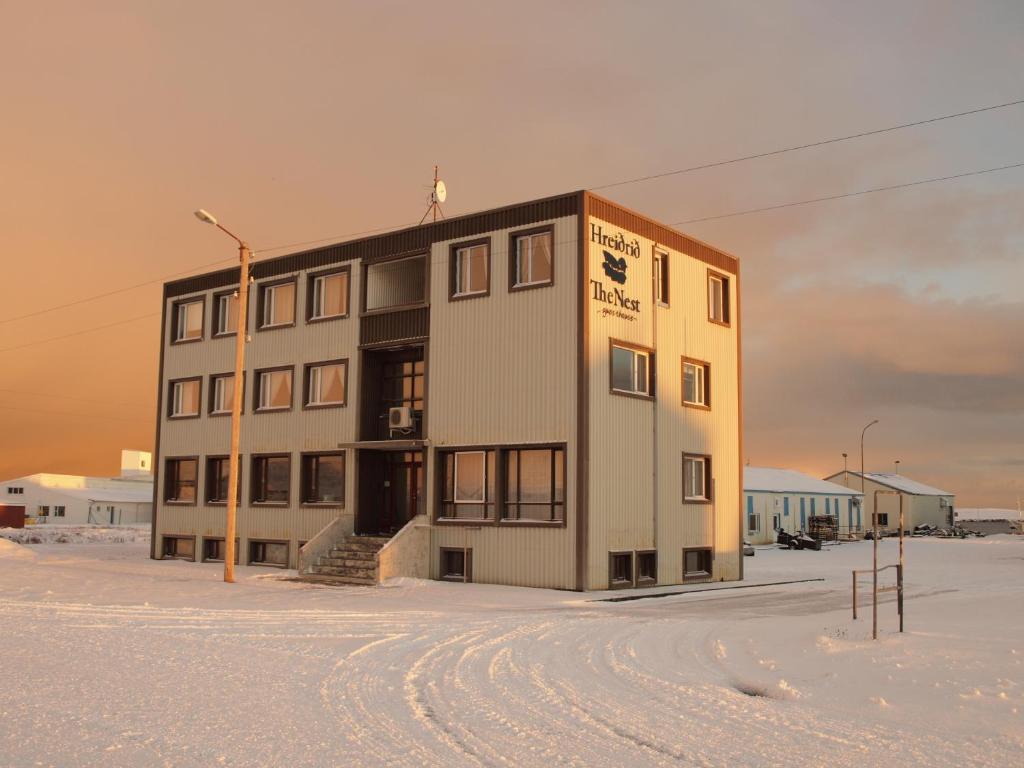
point(718, 298)
point(217, 470)
point(58, 511)
point(225, 313)
point(697, 563)
point(271, 479)
point(534, 484)
point(184, 397)
point(456, 564)
point(469, 270)
point(213, 550)
point(181, 476)
point(273, 390)
point(697, 483)
point(883, 519)
point(325, 385)
point(631, 369)
point(646, 568)
point(620, 570)
point(661, 277)
point(276, 304)
point(268, 553)
point(222, 393)
point(468, 489)
point(531, 258)
point(187, 317)
point(696, 383)
point(323, 478)
point(394, 283)
point(328, 295)
point(179, 548)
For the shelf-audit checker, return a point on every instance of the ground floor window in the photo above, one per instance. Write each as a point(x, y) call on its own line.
point(323, 478)
point(213, 551)
point(468, 485)
point(883, 519)
point(753, 522)
point(44, 511)
point(646, 569)
point(58, 511)
point(696, 563)
point(270, 479)
point(180, 547)
point(268, 553)
point(217, 476)
point(180, 481)
point(620, 570)
point(457, 564)
point(534, 484)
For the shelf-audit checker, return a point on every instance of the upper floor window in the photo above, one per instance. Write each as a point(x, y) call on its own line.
point(532, 259)
point(274, 389)
point(695, 383)
point(222, 393)
point(470, 269)
point(184, 399)
point(188, 320)
point(534, 484)
point(661, 277)
point(718, 298)
point(468, 486)
point(325, 383)
point(696, 478)
point(631, 370)
point(328, 295)
point(395, 283)
point(323, 478)
point(277, 304)
point(225, 314)
point(15, 489)
point(180, 480)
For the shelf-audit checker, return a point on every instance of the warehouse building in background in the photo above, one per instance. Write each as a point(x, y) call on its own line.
point(544, 395)
point(784, 499)
point(922, 504)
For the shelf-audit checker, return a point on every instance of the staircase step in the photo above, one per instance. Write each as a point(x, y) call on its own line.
point(352, 554)
point(316, 578)
point(364, 543)
point(345, 561)
point(357, 573)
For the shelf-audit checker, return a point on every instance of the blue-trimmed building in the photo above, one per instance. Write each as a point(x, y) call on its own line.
point(786, 499)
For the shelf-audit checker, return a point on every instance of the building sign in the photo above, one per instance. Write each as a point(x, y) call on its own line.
point(611, 288)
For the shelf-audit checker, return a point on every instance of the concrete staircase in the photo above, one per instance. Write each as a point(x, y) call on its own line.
point(353, 560)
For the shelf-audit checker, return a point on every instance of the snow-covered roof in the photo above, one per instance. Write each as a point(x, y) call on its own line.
point(127, 495)
point(901, 483)
point(988, 513)
point(790, 481)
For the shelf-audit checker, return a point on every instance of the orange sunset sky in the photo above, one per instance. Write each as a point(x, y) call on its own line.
point(311, 120)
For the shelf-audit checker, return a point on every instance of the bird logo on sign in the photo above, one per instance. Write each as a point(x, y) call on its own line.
point(615, 268)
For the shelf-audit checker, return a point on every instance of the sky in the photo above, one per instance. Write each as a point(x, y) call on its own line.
point(310, 120)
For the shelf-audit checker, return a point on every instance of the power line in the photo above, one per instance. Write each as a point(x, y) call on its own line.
point(848, 194)
point(798, 147)
point(79, 333)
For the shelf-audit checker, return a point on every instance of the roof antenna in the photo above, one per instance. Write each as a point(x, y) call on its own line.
point(438, 194)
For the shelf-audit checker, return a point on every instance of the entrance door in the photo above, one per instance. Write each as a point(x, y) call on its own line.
point(391, 491)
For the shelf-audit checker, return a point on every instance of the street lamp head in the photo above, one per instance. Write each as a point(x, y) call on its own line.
point(205, 217)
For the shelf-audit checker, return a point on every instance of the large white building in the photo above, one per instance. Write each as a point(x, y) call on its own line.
point(786, 499)
point(78, 499)
point(922, 504)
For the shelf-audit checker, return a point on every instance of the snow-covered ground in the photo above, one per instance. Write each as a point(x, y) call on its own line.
point(107, 658)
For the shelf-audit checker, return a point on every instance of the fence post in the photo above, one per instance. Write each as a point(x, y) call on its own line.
point(854, 595)
point(899, 592)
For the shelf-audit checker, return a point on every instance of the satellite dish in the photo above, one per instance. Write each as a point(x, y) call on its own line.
point(440, 191)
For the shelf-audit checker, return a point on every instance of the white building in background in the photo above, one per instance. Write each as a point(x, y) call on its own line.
point(786, 499)
point(922, 504)
point(78, 500)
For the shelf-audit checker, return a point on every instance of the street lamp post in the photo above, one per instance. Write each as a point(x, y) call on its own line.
point(244, 256)
point(897, 466)
point(874, 527)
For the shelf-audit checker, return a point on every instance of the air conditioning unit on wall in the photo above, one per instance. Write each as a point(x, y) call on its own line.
point(400, 417)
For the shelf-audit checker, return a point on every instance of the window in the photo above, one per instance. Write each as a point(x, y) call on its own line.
point(753, 522)
point(184, 398)
point(180, 548)
point(646, 569)
point(217, 472)
point(395, 283)
point(277, 304)
point(268, 553)
point(274, 389)
point(58, 511)
point(15, 490)
point(883, 519)
point(213, 551)
point(271, 477)
point(695, 384)
point(467, 489)
point(620, 570)
point(326, 384)
point(696, 564)
point(180, 481)
point(188, 321)
point(470, 269)
point(222, 393)
point(535, 484)
point(225, 314)
point(718, 298)
point(631, 370)
point(456, 564)
point(661, 277)
point(696, 478)
point(44, 511)
point(532, 263)
point(323, 478)
point(328, 295)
